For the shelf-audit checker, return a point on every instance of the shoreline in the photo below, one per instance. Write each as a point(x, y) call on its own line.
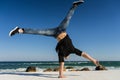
point(81, 75)
point(67, 69)
point(51, 65)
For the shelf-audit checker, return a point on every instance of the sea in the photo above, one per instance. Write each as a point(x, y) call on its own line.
point(21, 66)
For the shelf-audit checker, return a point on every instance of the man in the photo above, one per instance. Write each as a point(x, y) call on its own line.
point(64, 46)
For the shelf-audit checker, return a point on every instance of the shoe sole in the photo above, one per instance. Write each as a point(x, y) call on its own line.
point(12, 31)
point(80, 1)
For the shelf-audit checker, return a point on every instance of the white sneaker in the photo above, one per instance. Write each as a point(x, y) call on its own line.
point(78, 2)
point(14, 31)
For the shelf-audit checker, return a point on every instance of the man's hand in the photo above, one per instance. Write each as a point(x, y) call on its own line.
point(66, 57)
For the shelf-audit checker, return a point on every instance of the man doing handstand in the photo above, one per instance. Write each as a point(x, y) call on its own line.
point(64, 46)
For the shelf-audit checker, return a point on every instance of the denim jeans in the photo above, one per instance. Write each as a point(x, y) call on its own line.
point(53, 32)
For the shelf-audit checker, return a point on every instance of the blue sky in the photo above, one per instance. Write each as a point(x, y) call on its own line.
point(94, 28)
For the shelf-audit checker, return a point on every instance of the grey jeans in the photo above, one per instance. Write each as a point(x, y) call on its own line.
point(53, 32)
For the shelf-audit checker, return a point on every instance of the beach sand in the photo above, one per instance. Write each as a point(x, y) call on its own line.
point(79, 75)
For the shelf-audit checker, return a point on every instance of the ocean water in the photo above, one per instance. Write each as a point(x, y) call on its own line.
point(42, 65)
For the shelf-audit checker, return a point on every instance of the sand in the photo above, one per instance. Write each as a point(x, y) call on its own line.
point(80, 75)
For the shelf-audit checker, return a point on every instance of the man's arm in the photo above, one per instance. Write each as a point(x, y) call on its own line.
point(61, 69)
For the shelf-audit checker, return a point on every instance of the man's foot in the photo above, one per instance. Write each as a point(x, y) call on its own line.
point(78, 2)
point(14, 31)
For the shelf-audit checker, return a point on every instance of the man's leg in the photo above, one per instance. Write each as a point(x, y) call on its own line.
point(63, 25)
point(46, 32)
point(85, 55)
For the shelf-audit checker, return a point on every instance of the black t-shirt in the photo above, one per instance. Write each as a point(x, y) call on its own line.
point(65, 47)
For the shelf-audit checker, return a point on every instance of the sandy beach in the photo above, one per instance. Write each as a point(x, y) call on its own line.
point(79, 75)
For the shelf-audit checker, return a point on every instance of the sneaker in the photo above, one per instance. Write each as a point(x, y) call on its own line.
point(78, 2)
point(14, 31)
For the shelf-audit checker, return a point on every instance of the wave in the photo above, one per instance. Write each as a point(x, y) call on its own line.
point(56, 63)
point(13, 70)
point(19, 70)
point(45, 63)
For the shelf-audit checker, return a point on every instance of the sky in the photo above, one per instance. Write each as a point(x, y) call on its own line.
point(94, 28)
